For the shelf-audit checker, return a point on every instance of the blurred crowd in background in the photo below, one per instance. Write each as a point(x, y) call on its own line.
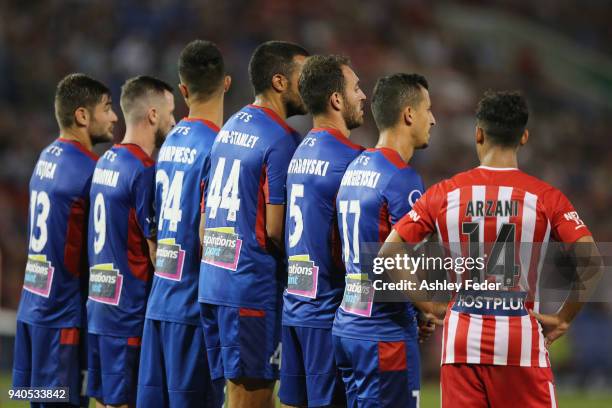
point(569, 145)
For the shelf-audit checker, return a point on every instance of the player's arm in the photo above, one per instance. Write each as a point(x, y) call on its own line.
point(275, 223)
point(404, 203)
point(152, 244)
point(275, 191)
point(589, 271)
point(413, 228)
point(567, 227)
point(143, 191)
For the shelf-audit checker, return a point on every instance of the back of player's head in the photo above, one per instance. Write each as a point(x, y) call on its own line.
point(503, 116)
point(201, 68)
point(392, 94)
point(272, 58)
point(321, 76)
point(138, 93)
point(76, 91)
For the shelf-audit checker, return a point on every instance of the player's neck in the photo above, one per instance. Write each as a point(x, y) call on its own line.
point(328, 121)
point(135, 134)
point(77, 135)
point(392, 139)
point(211, 110)
point(499, 157)
point(272, 102)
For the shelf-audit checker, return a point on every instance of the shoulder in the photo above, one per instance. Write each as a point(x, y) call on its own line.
point(135, 153)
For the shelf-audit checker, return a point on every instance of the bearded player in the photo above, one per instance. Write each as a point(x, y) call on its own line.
point(173, 365)
point(121, 239)
point(49, 348)
point(330, 89)
point(376, 343)
point(241, 276)
point(492, 355)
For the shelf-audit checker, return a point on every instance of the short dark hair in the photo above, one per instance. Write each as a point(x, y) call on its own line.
point(138, 87)
point(392, 93)
point(201, 68)
point(271, 58)
point(320, 78)
point(503, 116)
point(76, 91)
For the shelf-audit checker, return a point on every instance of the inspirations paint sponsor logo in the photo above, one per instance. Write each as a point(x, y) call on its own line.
point(169, 260)
point(303, 276)
point(38, 275)
point(221, 247)
point(105, 283)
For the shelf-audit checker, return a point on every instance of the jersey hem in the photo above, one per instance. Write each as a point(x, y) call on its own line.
point(257, 306)
point(163, 318)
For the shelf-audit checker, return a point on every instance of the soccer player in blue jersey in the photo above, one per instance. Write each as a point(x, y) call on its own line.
point(49, 348)
point(330, 89)
point(375, 343)
point(121, 228)
point(241, 278)
point(173, 365)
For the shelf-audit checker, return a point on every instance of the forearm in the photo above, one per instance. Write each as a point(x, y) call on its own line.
point(589, 272)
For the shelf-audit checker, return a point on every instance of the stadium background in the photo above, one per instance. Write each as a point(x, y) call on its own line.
point(557, 52)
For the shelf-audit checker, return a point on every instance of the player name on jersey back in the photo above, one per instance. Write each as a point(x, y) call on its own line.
point(181, 174)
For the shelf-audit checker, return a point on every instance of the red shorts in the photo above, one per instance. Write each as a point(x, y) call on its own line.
point(476, 386)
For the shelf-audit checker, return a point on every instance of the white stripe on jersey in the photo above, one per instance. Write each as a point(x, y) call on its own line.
point(479, 194)
point(504, 194)
point(526, 342)
point(453, 319)
point(452, 225)
point(551, 391)
point(527, 230)
point(502, 331)
point(473, 339)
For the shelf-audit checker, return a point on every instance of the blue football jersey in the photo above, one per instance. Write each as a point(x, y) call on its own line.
point(181, 176)
point(376, 191)
point(55, 279)
point(248, 169)
point(121, 218)
point(315, 280)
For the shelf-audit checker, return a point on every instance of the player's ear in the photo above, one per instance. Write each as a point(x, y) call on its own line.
point(279, 83)
point(524, 138)
point(479, 135)
point(184, 91)
point(335, 100)
point(152, 116)
point(407, 115)
point(81, 116)
point(227, 82)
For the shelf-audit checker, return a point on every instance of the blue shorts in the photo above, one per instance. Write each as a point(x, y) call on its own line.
point(112, 368)
point(173, 368)
point(379, 373)
point(241, 342)
point(309, 376)
point(49, 357)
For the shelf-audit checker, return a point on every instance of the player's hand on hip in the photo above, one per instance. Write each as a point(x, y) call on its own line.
point(553, 326)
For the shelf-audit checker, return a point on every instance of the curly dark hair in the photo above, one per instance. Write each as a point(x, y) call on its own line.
point(392, 93)
point(320, 78)
point(201, 68)
point(503, 116)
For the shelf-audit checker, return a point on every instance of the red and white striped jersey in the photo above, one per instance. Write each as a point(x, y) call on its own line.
point(482, 206)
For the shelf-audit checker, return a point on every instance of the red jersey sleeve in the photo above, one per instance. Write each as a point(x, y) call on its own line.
point(420, 221)
point(565, 223)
